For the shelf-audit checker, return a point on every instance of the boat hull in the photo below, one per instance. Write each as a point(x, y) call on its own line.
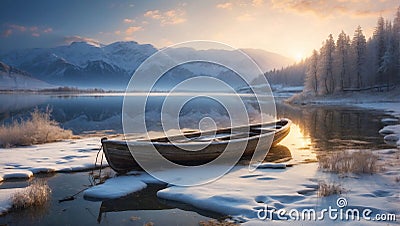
point(121, 160)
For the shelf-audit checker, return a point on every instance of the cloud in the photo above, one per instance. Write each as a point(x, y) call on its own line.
point(170, 17)
point(7, 33)
point(48, 30)
point(17, 27)
point(155, 14)
point(35, 31)
point(34, 28)
point(322, 8)
point(245, 17)
point(257, 2)
point(128, 21)
point(131, 30)
point(129, 38)
point(118, 32)
point(226, 5)
point(77, 38)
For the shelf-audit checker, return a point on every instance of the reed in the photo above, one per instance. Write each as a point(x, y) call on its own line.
point(38, 129)
point(327, 189)
point(36, 194)
point(358, 162)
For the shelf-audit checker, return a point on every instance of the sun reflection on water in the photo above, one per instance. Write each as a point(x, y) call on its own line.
point(300, 145)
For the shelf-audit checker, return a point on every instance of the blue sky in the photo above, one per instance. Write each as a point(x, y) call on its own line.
point(289, 27)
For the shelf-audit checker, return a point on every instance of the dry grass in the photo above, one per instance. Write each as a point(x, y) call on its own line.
point(358, 162)
point(38, 129)
point(325, 189)
point(216, 223)
point(37, 194)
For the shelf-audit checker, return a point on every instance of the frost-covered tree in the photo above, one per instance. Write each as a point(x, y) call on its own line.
point(389, 60)
point(325, 66)
point(380, 37)
point(358, 46)
point(396, 41)
point(311, 81)
point(357, 63)
point(342, 58)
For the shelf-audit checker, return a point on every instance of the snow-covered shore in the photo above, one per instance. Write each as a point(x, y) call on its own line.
point(241, 194)
point(64, 156)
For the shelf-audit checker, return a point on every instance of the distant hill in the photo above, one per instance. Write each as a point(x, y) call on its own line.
point(12, 78)
point(88, 65)
point(268, 60)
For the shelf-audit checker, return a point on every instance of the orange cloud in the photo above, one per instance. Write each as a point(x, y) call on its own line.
point(226, 5)
point(245, 17)
point(7, 33)
point(155, 14)
point(35, 30)
point(131, 30)
point(258, 2)
point(128, 21)
point(170, 17)
point(48, 30)
point(17, 27)
point(76, 38)
point(322, 8)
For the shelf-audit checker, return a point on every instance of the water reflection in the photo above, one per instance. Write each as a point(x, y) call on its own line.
point(331, 128)
point(146, 200)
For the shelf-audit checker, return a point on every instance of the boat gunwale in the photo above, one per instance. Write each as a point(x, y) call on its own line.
point(213, 142)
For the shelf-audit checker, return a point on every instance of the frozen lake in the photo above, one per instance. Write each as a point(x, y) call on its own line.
point(315, 129)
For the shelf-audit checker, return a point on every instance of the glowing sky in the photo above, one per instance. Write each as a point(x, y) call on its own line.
point(288, 27)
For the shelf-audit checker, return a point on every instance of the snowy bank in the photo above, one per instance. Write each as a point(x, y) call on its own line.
point(64, 156)
point(114, 188)
point(5, 198)
point(243, 194)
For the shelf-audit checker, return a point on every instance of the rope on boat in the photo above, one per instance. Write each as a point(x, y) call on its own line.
point(92, 179)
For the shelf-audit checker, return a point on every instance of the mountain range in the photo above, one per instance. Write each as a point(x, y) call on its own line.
point(93, 65)
point(14, 79)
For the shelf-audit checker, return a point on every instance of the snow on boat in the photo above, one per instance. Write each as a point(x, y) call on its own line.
point(121, 160)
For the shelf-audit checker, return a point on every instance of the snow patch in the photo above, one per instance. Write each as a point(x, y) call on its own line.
point(64, 156)
point(389, 120)
point(114, 188)
point(5, 198)
point(20, 174)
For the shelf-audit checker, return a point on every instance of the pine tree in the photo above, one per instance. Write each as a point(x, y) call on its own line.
point(326, 66)
point(342, 60)
point(358, 45)
point(311, 82)
point(396, 42)
point(379, 36)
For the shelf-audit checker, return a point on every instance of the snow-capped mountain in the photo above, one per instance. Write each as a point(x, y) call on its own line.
point(14, 79)
point(86, 64)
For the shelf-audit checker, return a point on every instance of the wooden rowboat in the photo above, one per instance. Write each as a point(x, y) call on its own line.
point(121, 160)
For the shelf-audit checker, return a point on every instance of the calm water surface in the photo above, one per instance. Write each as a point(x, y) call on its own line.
point(315, 130)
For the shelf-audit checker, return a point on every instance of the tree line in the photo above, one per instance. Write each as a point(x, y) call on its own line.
point(349, 63)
